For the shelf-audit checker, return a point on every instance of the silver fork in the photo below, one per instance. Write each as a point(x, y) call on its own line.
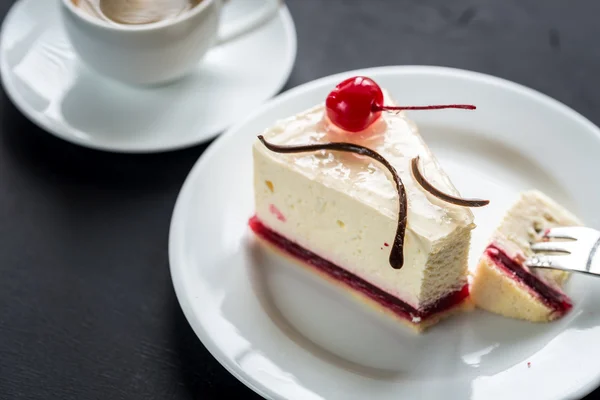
point(577, 252)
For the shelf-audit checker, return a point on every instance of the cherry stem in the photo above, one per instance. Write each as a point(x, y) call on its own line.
point(377, 107)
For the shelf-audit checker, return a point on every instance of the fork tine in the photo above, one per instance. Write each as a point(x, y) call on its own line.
point(559, 262)
point(553, 247)
point(562, 233)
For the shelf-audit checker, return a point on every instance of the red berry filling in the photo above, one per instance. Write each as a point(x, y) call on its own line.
point(278, 214)
point(384, 299)
point(551, 297)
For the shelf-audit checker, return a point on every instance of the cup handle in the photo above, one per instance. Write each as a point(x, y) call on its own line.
point(247, 24)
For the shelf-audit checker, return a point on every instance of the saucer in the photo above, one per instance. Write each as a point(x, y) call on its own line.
point(289, 334)
point(43, 77)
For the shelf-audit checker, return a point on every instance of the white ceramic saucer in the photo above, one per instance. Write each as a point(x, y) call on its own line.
point(43, 77)
point(290, 335)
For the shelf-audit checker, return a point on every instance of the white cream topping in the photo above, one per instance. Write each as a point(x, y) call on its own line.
point(394, 137)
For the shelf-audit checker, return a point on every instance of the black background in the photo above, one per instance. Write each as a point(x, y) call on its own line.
point(87, 310)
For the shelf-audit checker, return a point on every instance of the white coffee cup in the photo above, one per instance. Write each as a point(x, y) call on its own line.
point(158, 52)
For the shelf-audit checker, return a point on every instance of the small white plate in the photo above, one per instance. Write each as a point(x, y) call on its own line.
point(43, 77)
point(288, 334)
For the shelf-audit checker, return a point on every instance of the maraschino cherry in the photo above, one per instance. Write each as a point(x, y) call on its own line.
point(356, 103)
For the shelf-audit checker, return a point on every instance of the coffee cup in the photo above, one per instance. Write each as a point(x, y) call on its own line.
point(156, 52)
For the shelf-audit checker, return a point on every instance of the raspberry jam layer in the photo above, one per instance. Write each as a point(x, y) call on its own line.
point(384, 299)
point(551, 297)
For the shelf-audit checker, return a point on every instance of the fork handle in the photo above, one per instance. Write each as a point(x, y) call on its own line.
point(593, 263)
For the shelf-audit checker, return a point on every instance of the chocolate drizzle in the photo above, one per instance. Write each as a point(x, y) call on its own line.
point(439, 194)
point(397, 251)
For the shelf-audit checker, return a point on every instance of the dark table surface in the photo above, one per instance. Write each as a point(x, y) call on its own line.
point(87, 310)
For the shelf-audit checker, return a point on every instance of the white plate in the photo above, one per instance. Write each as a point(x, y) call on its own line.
point(43, 77)
point(287, 334)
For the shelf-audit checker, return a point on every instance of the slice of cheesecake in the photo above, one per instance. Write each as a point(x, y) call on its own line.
point(502, 284)
point(338, 213)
